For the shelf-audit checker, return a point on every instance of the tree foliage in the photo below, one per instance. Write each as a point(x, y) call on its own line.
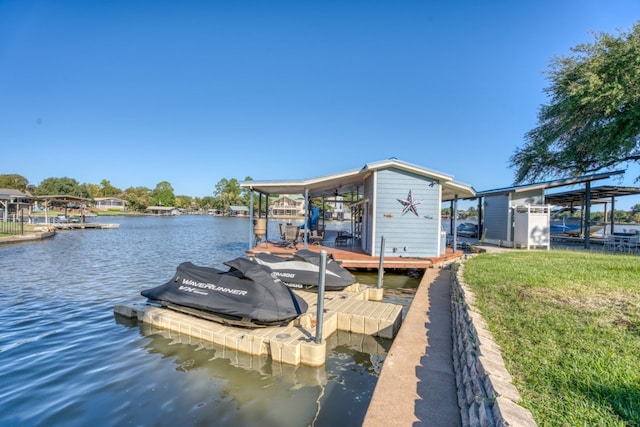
point(137, 198)
point(593, 120)
point(62, 186)
point(13, 181)
point(162, 195)
point(108, 190)
point(228, 192)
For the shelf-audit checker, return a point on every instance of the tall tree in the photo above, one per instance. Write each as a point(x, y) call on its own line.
point(108, 190)
point(13, 181)
point(593, 120)
point(227, 191)
point(162, 195)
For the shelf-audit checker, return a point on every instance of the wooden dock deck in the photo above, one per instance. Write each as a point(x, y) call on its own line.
point(82, 225)
point(353, 257)
point(349, 310)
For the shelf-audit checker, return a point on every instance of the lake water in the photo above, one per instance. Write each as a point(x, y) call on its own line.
point(68, 360)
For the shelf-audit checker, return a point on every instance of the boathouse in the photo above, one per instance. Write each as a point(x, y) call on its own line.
point(392, 199)
point(501, 209)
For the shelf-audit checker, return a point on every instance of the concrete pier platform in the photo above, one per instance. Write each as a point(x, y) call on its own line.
point(351, 310)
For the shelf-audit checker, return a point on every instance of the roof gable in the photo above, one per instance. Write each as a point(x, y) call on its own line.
point(350, 181)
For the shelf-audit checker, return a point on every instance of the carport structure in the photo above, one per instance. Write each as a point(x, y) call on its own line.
point(63, 199)
point(495, 206)
point(598, 195)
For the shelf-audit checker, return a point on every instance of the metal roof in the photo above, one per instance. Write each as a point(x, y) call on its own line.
point(549, 184)
point(10, 193)
point(62, 198)
point(350, 181)
point(598, 195)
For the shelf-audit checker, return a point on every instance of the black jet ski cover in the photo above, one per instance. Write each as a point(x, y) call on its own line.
point(303, 270)
point(246, 293)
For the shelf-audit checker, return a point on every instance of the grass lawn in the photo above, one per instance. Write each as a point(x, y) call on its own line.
point(568, 323)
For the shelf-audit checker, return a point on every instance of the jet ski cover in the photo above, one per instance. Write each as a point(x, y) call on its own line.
point(247, 292)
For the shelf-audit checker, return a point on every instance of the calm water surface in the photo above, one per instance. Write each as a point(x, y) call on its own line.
point(67, 360)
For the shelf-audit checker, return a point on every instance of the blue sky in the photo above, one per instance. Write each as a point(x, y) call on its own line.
point(139, 92)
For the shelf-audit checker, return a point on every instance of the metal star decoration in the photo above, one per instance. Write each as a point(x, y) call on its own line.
point(409, 204)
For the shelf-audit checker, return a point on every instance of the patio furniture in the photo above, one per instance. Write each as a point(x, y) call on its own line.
point(291, 234)
point(317, 235)
point(343, 238)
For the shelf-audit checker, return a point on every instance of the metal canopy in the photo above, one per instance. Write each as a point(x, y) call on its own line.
point(598, 195)
point(562, 182)
point(350, 181)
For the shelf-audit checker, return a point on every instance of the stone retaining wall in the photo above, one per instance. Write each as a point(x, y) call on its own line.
point(486, 396)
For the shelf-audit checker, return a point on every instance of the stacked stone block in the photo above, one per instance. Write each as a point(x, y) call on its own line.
point(486, 396)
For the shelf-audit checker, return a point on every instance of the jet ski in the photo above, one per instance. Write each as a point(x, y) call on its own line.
point(302, 271)
point(247, 295)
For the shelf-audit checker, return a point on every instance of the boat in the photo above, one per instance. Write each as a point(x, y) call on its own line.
point(467, 229)
point(302, 271)
point(246, 295)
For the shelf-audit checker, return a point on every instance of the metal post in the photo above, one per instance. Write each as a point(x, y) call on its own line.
point(381, 265)
point(587, 214)
point(321, 279)
point(454, 223)
point(306, 217)
point(251, 235)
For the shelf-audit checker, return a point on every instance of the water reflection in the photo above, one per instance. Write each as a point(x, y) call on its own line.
point(255, 390)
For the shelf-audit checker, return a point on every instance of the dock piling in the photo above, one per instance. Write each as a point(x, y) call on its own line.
point(321, 283)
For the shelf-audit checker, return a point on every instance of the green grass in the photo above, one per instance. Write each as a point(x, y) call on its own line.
point(569, 327)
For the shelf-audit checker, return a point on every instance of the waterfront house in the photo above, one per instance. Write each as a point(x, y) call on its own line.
point(13, 202)
point(287, 205)
point(110, 203)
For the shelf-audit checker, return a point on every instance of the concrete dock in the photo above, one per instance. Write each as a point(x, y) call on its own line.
point(356, 309)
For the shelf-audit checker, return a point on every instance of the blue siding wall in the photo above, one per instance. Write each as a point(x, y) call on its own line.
point(408, 234)
point(496, 217)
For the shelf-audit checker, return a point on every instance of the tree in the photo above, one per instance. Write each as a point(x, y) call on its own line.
point(13, 181)
point(94, 190)
point(228, 193)
point(183, 202)
point(593, 120)
point(108, 190)
point(62, 186)
point(162, 195)
point(137, 198)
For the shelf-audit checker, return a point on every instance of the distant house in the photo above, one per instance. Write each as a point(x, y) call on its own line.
point(163, 210)
point(235, 210)
point(110, 203)
point(13, 201)
point(287, 206)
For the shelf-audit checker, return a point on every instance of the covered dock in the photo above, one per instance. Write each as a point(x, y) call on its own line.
point(389, 200)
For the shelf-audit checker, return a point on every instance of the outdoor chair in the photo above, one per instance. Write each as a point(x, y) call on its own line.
point(317, 235)
point(291, 233)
